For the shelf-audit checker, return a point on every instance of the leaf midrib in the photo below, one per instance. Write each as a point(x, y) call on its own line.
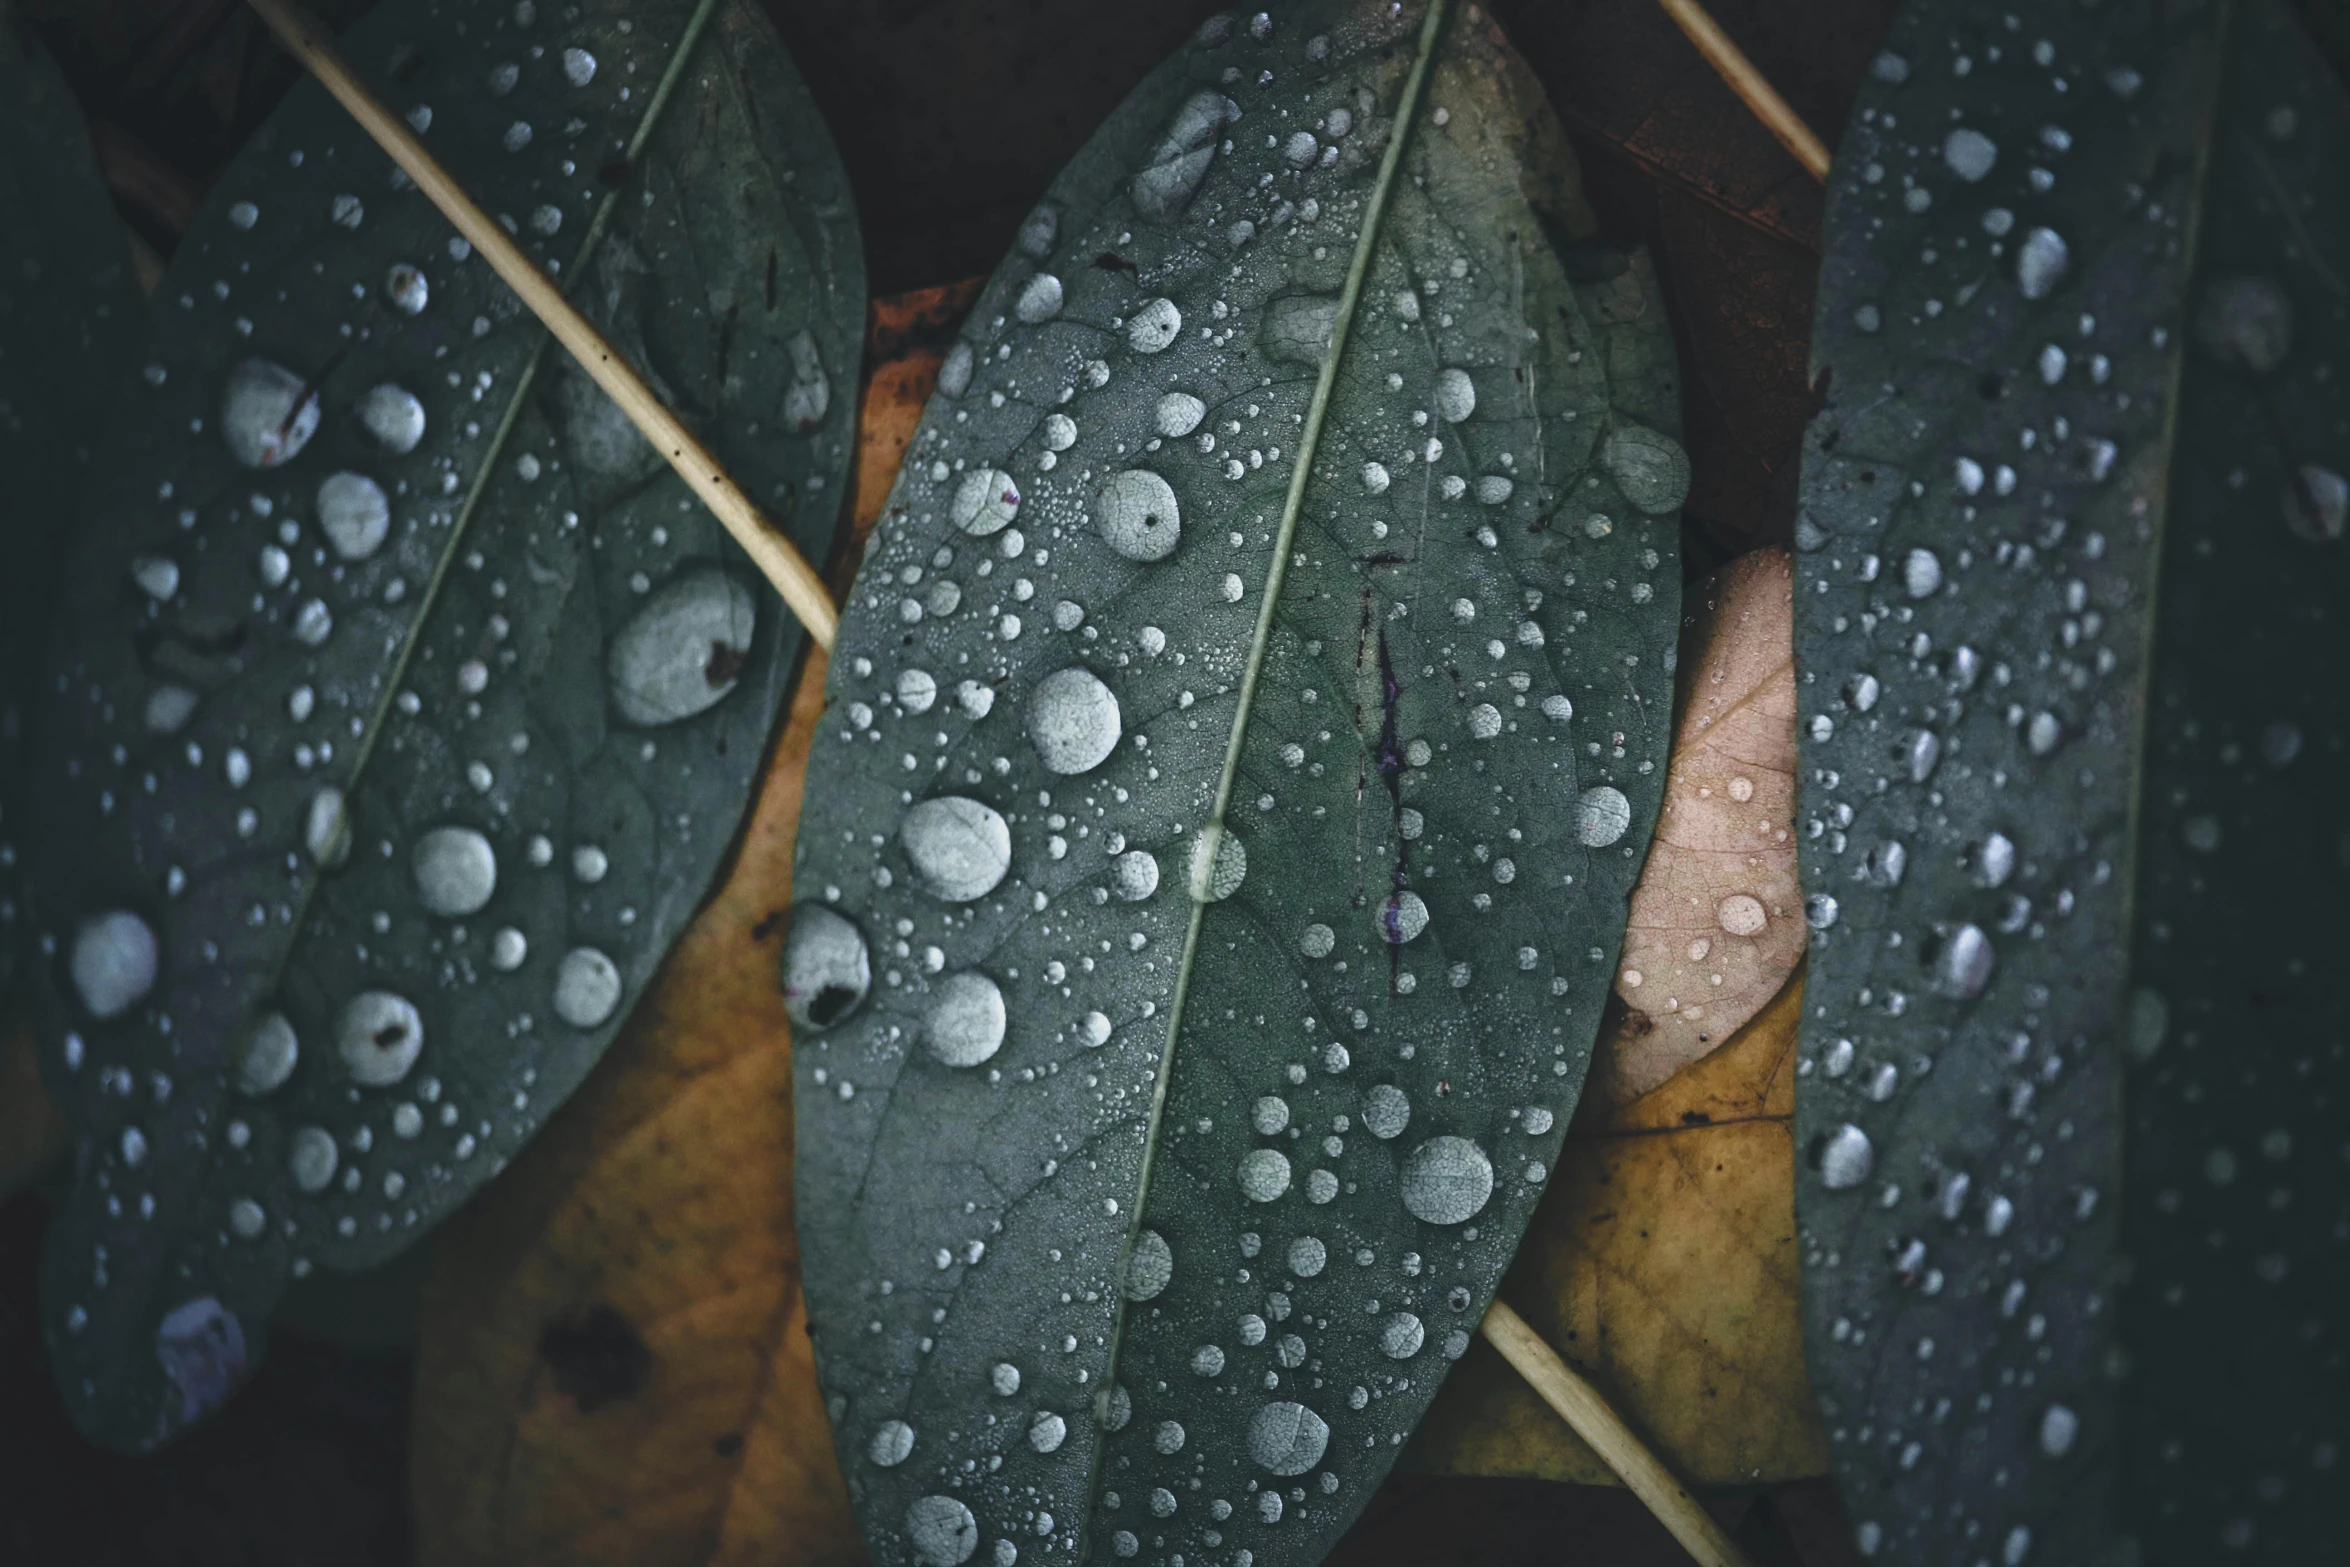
point(461, 528)
point(1211, 834)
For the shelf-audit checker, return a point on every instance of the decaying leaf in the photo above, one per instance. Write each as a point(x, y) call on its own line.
point(1717, 919)
point(2075, 749)
point(614, 1365)
point(69, 322)
point(405, 703)
point(1242, 740)
point(1663, 1263)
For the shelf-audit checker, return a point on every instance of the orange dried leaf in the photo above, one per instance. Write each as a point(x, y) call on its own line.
point(613, 1359)
point(1717, 920)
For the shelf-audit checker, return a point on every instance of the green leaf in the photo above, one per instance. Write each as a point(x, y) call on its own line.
point(2069, 637)
point(1243, 738)
point(68, 314)
point(526, 662)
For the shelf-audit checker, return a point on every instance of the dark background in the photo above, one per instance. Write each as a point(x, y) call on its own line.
point(952, 116)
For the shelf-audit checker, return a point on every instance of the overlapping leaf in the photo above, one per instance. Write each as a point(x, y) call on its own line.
point(406, 705)
point(69, 313)
point(1242, 739)
point(2068, 605)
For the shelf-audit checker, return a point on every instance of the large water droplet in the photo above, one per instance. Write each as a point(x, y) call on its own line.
point(1264, 1174)
point(965, 1023)
point(1219, 864)
point(587, 988)
point(1845, 1157)
point(984, 502)
point(267, 1054)
point(2040, 263)
point(1446, 1180)
point(1401, 1336)
point(891, 1443)
point(115, 962)
point(579, 67)
point(1602, 816)
point(456, 871)
point(1073, 721)
point(326, 828)
point(1456, 395)
point(1969, 153)
point(1138, 516)
point(1176, 166)
point(169, 708)
point(1387, 1110)
point(379, 1037)
point(1287, 1438)
point(1039, 301)
point(684, 649)
point(393, 416)
point(1298, 328)
point(1151, 1268)
point(826, 968)
point(1179, 414)
point(809, 395)
point(1154, 325)
point(959, 848)
point(2317, 503)
point(202, 1348)
point(311, 1158)
point(1134, 875)
point(267, 414)
point(1649, 467)
point(941, 1531)
point(1400, 917)
point(1963, 963)
point(406, 289)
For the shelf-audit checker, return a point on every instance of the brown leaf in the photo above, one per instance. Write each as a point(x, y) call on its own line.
point(613, 1359)
point(1662, 1262)
point(1717, 920)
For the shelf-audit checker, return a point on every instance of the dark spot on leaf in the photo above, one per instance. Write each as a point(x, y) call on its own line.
point(390, 1035)
point(771, 277)
point(614, 173)
point(1696, 1118)
point(725, 663)
point(729, 1445)
point(769, 924)
point(1990, 387)
point(1822, 386)
point(831, 1004)
point(1111, 261)
point(596, 1357)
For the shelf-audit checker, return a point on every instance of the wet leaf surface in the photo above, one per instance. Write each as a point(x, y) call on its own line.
point(1662, 1262)
point(69, 318)
point(1357, 943)
point(1717, 918)
point(407, 703)
point(2071, 562)
point(614, 1364)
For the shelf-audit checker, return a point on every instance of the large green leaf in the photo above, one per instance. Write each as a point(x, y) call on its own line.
point(2070, 635)
point(68, 315)
point(406, 701)
point(1243, 738)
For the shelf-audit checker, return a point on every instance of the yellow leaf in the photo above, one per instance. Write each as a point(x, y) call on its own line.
point(613, 1363)
point(1663, 1263)
point(1717, 920)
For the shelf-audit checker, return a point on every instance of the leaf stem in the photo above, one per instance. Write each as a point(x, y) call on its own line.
point(1580, 1405)
point(1730, 62)
point(803, 591)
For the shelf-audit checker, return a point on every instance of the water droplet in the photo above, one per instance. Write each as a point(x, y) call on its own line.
point(1376, 478)
point(393, 416)
point(267, 1054)
point(1005, 1378)
point(267, 414)
point(579, 67)
point(115, 962)
point(1073, 721)
point(1047, 1431)
point(1602, 816)
point(1148, 1271)
point(2059, 1426)
point(1401, 1336)
point(245, 1218)
point(158, 576)
point(965, 1023)
point(456, 871)
point(1264, 1174)
point(2040, 262)
point(954, 374)
point(1484, 721)
point(2149, 1022)
point(2043, 733)
point(1963, 963)
point(1820, 910)
point(1134, 875)
point(1179, 414)
point(984, 502)
point(1387, 1110)
point(202, 1348)
point(1400, 917)
point(891, 1443)
point(507, 949)
point(1287, 1438)
point(1741, 914)
point(1060, 432)
point(1445, 1180)
point(684, 648)
point(169, 708)
point(1138, 516)
point(1317, 941)
point(1456, 395)
point(1219, 864)
point(1038, 231)
point(1307, 1255)
point(326, 828)
point(826, 968)
point(941, 1531)
point(1172, 173)
point(959, 848)
point(1039, 301)
point(347, 210)
point(1845, 1157)
point(975, 698)
point(2317, 506)
point(1649, 467)
point(587, 987)
point(313, 623)
point(311, 1158)
point(1969, 153)
point(406, 289)
point(1154, 325)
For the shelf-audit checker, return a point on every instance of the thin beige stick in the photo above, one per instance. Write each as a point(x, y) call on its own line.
point(769, 550)
point(1579, 1404)
point(1748, 83)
